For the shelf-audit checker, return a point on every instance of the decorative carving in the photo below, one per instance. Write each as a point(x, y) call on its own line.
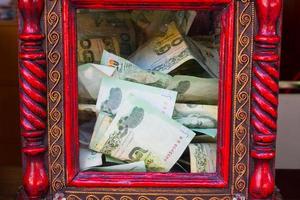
point(32, 81)
point(55, 130)
point(150, 197)
point(265, 98)
point(241, 97)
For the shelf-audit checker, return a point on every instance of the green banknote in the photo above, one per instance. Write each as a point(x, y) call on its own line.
point(140, 132)
point(114, 91)
point(89, 158)
point(196, 116)
point(194, 89)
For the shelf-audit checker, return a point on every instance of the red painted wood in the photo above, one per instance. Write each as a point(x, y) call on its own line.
point(32, 81)
point(150, 4)
point(265, 98)
point(84, 179)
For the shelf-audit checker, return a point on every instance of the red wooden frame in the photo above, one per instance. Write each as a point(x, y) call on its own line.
point(34, 94)
point(106, 179)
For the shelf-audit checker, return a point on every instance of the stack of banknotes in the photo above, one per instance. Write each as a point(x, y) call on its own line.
point(147, 92)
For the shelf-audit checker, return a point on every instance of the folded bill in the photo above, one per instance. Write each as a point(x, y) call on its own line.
point(126, 70)
point(113, 92)
point(167, 52)
point(203, 157)
point(212, 132)
point(130, 167)
point(136, 133)
point(110, 30)
point(152, 21)
point(90, 49)
point(89, 158)
point(89, 79)
point(194, 89)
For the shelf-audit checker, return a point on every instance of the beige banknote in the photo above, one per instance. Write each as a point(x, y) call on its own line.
point(203, 157)
point(110, 30)
point(166, 53)
point(136, 132)
point(151, 22)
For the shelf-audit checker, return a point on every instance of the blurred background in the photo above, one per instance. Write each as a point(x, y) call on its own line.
point(288, 148)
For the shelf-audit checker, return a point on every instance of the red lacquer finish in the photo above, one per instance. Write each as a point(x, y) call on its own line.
point(32, 81)
point(100, 179)
point(265, 98)
point(236, 176)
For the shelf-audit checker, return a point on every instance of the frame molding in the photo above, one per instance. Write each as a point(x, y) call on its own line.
point(247, 97)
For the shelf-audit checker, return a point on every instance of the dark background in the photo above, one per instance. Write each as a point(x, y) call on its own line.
point(10, 159)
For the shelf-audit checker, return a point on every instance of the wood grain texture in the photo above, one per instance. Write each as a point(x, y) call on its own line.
point(265, 97)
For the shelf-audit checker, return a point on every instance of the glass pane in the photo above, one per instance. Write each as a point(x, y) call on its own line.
point(148, 90)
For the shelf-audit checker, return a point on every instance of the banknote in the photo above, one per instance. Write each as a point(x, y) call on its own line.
point(126, 70)
point(140, 132)
point(152, 21)
point(89, 158)
point(209, 54)
point(203, 157)
point(168, 52)
point(113, 31)
point(89, 79)
point(109, 159)
point(184, 109)
point(121, 65)
point(212, 132)
point(104, 120)
point(128, 167)
point(91, 49)
point(196, 116)
point(194, 89)
point(114, 91)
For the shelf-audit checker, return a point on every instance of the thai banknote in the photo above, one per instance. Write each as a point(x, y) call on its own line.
point(209, 54)
point(140, 132)
point(91, 49)
point(203, 157)
point(114, 91)
point(168, 52)
point(128, 167)
point(212, 132)
point(194, 89)
point(104, 120)
point(126, 70)
point(196, 116)
point(99, 29)
point(89, 79)
point(152, 21)
point(89, 158)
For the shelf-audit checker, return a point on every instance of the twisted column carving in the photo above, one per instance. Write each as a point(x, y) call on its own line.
point(33, 93)
point(265, 98)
